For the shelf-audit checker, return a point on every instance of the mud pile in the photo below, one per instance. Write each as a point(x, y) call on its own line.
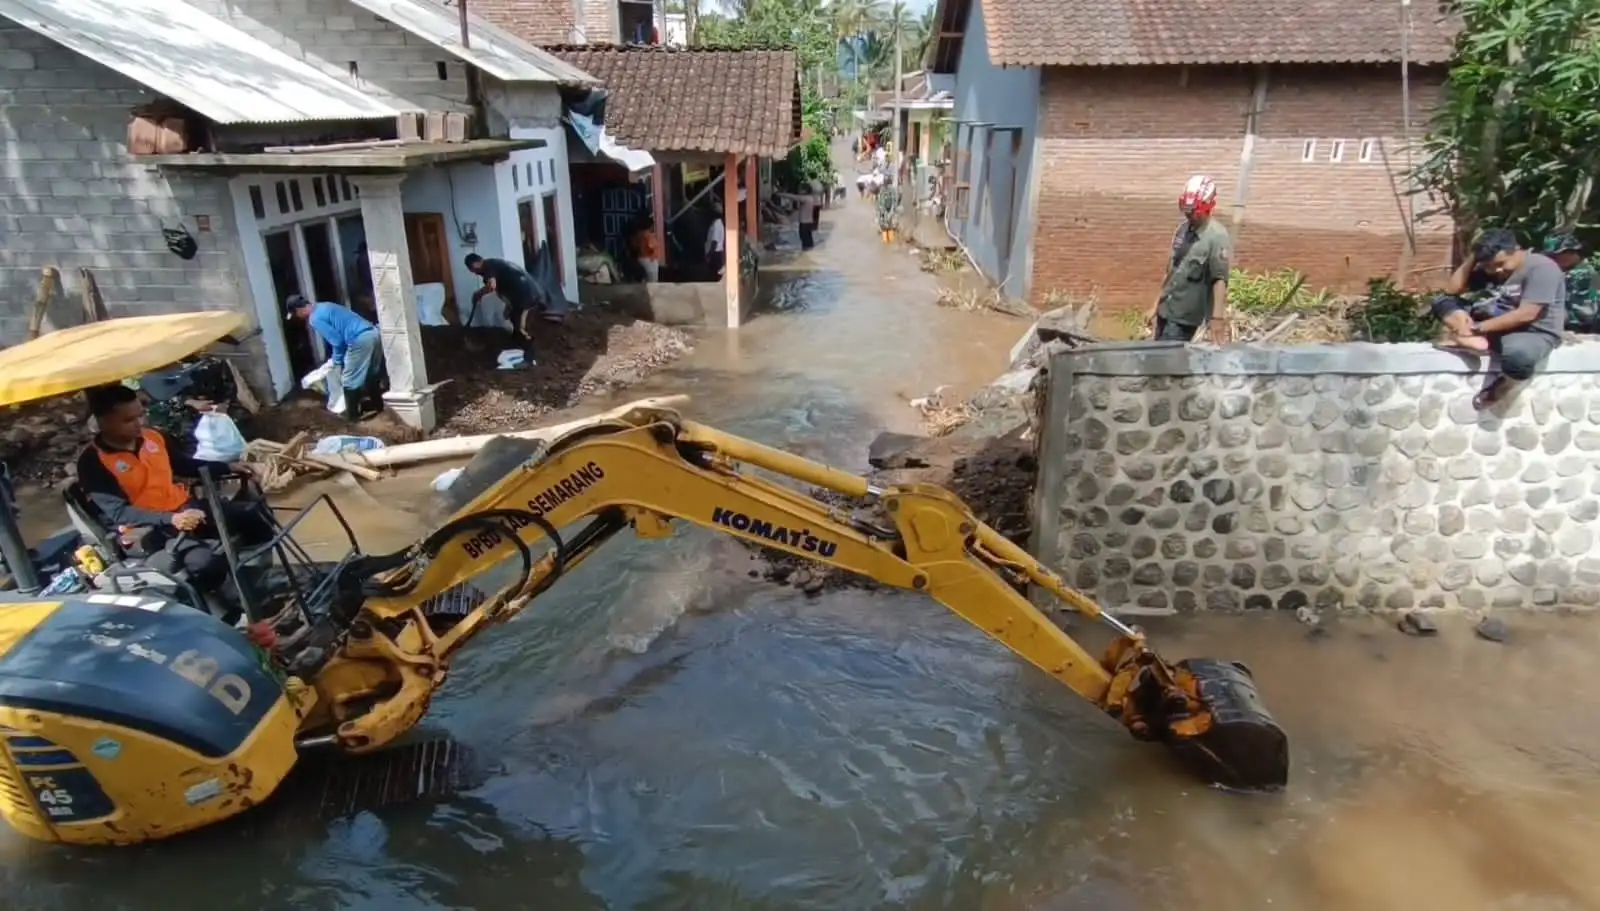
point(993, 473)
point(594, 352)
point(41, 439)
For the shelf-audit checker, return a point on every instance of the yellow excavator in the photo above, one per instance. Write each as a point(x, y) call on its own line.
point(131, 718)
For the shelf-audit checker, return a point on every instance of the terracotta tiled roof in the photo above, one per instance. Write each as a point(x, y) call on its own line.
point(1144, 32)
point(696, 100)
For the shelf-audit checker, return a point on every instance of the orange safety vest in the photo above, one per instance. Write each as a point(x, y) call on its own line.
point(146, 476)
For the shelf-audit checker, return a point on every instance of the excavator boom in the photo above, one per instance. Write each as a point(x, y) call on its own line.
point(652, 467)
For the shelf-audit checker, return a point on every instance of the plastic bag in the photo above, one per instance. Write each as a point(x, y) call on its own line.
point(336, 444)
point(217, 438)
point(320, 379)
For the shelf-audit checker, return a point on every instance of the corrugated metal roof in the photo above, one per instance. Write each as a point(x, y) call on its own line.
point(493, 50)
point(196, 60)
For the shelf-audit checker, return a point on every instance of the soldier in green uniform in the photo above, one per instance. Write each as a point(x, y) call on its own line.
point(1583, 288)
point(1195, 292)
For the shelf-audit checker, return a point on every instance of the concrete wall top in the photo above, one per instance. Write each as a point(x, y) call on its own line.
point(1350, 359)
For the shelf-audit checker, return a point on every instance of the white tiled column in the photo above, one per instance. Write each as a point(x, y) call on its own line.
point(409, 396)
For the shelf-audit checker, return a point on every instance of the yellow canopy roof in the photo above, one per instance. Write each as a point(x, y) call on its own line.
point(107, 352)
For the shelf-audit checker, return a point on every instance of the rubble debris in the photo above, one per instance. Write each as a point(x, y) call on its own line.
point(1417, 623)
point(41, 440)
point(994, 475)
point(1492, 629)
point(1067, 326)
point(894, 450)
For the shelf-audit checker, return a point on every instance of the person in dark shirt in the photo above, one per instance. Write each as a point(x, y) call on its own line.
point(514, 286)
point(1518, 314)
point(130, 473)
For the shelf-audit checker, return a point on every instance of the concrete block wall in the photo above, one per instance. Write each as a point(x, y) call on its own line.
point(1339, 477)
point(392, 63)
point(71, 196)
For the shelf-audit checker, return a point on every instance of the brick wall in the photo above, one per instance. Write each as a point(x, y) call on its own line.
point(70, 196)
point(1118, 144)
point(392, 63)
point(600, 21)
point(553, 21)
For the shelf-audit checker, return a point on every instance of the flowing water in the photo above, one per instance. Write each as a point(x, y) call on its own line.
point(668, 733)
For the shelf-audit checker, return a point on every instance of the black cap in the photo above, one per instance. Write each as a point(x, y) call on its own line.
point(293, 303)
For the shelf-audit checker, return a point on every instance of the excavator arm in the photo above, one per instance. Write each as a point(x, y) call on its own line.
point(651, 468)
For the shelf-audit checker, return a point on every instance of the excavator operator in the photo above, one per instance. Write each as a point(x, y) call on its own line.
point(130, 473)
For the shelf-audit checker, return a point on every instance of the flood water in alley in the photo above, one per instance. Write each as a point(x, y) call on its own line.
point(667, 733)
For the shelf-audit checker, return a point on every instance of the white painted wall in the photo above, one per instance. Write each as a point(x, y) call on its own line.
point(463, 193)
point(545, 167)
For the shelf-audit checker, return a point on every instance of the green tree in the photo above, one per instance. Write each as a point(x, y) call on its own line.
point(804, 27)
point(1516, 141)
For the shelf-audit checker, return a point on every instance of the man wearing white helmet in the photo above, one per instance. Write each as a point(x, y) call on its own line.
point(1195, 292)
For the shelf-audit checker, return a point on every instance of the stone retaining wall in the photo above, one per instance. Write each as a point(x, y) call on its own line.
point(1175, 478)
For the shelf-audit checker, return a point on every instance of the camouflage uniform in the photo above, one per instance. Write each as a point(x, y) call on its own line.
point(1583, 286)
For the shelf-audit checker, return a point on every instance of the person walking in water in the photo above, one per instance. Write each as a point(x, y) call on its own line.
point(888, 209)
point(805, 216)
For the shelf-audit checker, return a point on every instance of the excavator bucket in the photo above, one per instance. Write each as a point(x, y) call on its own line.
point(1232, 740)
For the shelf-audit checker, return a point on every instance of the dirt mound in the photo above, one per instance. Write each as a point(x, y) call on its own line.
point(39, 440)
point(994, 475)
point(595, 351)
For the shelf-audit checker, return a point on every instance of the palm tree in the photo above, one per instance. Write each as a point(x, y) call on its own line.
point(921, 37)
point(852, 21)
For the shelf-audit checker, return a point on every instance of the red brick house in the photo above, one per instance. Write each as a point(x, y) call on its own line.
point(550, 22)
point(1079, 120)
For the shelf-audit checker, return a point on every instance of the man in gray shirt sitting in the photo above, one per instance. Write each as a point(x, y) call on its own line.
point(1521, 320)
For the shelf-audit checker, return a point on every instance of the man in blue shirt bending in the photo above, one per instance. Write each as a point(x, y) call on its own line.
point(353, 345)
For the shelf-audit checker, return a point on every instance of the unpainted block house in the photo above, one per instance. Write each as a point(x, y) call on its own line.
point(351, 150)
point(1076, 123)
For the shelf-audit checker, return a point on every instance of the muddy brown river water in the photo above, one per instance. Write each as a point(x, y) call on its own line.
point(667, 733)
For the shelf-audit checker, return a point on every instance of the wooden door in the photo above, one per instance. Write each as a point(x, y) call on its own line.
point(430, 254)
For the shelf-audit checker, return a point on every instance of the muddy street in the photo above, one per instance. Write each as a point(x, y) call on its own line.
point(668, 733)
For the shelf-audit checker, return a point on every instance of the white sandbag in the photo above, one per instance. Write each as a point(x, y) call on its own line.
point(218, 439)
point(430, 304)
point(327, 377)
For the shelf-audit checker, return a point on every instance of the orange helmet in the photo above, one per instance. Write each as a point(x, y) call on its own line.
point(1199, 196)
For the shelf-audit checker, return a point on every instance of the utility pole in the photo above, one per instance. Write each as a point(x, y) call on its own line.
point(899, 140)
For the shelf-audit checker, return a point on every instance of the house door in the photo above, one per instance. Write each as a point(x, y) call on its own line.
point(430, 253)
